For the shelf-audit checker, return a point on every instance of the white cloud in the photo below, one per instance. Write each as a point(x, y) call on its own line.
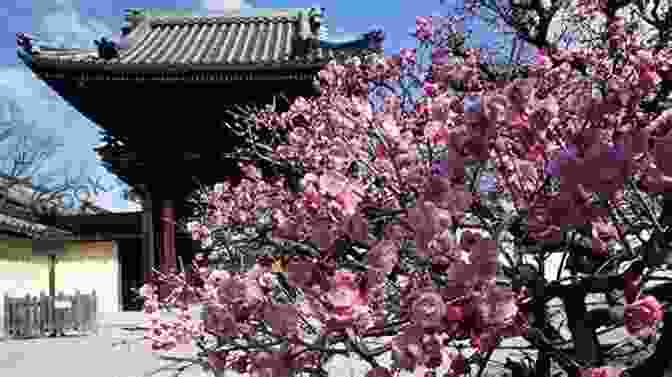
point(225, 5)
point(112, 201)
point(61, 21)
point(66, 26)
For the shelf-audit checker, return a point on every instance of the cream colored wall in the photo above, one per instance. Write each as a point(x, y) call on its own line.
point(20, 272)
point(89, 265)
point(86, 265)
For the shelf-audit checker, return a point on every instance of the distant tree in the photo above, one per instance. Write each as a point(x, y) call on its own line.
point(24, 151)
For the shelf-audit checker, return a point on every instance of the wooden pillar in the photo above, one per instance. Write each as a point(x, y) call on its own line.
point(168, 255)
point(148, 234)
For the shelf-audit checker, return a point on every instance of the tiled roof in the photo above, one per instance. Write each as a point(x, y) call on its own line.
point(29, 228)
point(22, 192)
point(16, 217)
point(203, 42)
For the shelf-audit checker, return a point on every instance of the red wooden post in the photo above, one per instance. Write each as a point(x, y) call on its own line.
point(168, 257)
point(149, 236)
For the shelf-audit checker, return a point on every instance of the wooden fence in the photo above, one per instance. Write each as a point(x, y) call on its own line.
point(31, 316)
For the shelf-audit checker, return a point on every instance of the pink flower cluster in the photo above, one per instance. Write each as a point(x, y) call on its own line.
point(362, 231)
point(423, 28)
point(601, 372)
point(642, 316)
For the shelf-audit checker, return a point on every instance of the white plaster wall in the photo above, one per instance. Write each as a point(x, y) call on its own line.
point(20, 273)
point(101, 274)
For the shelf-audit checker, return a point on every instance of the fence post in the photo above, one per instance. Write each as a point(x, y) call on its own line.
point(11, 312)
point(76, 311)
point(27, 317)
point(51, 314)
point(67, 313)
point(44, 313)
point(35, 324)
point(5, 317)
point(58, 313)
point(94, 312)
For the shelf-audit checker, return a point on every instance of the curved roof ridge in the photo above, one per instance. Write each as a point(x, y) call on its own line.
point(217, 19)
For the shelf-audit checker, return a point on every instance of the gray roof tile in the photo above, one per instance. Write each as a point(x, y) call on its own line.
point(216, 42)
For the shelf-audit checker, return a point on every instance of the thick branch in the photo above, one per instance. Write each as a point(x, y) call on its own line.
point(585, 340)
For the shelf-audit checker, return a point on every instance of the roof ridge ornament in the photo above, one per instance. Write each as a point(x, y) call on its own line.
point(372, 39)
point(107, 49)
point(132, 18)
point(25, 41)
point(308, 25)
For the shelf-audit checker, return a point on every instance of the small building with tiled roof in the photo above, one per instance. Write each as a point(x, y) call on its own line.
point(163, 90)
point(81, 248)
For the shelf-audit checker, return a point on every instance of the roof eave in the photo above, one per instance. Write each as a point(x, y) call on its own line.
point(38, 63)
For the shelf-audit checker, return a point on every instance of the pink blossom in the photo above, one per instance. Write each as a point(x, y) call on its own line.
point(458, 365)
point(199, 232)
point(283, 318)
point(323, 235)
point(407, 56)
point(631, 280)
point(345, 194)
point(270, 364)
point(441, 55)
point(379, 372)
point(601, 372)
point(519, 119)
point(428, 309)
point(390, 127)
point(311, 197)
point(484, 341)
point(642, 315)
point(543, 60)
point(345, 297)
point(299, 273)
point(357, 228)
point(662, 152)
point(266, 280)
point(654, 181)
point(424, 222)
point(332, 183)
point(384, 256)
point(454, 313)
point(423, 28)
point(218, 277)
point(147, 291)
point(407, 348)
point(217, 360)
point(347, 201)
point(285, 226)
point(504, 306)
point(602, 233)
point(429, 89)
point(564, 157)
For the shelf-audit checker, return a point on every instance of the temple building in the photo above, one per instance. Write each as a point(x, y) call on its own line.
point(161, 93)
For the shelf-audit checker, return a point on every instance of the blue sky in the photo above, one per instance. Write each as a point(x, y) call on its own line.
point(77, 23)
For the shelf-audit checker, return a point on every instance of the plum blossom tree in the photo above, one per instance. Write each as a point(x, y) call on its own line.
point(397, 243)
